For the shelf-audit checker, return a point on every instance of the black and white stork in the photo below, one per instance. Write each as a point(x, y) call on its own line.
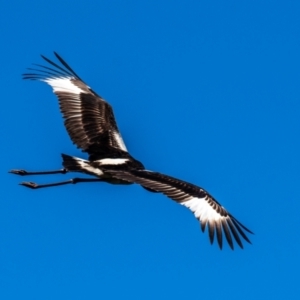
point(91, 124)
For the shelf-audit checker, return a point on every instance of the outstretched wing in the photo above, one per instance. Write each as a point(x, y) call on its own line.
point(89, 119)
point(205, 208)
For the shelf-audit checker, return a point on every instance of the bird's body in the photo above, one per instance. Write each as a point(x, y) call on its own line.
point(98, 165)
point(91, 124)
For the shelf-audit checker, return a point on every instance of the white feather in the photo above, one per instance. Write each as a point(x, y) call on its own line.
point(86, 166)
point(63, 84)
point(120, 141)
point(112, 161)
point(202, 209)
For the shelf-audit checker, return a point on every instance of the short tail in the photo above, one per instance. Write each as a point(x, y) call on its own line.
point(72, 163)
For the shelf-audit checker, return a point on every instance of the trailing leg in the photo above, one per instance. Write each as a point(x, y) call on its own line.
point(24, 172)
point(34, 185)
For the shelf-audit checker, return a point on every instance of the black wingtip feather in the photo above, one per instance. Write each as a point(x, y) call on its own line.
point(203, 225)
point(51, 69)
point(243, 226)
point(66, 65)
point(227, 233)
point(234, 233)
point(219, 234)
point(31, 77)
point(211, 231)
point(237, 226)
point(56, 65)
point(44, 73)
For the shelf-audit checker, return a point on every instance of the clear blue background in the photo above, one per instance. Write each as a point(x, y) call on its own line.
point(207, 91)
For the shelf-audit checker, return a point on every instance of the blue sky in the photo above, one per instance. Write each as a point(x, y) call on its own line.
point(206, 91)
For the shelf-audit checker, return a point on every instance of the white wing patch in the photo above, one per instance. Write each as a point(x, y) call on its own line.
point(64, 84)
point(120, 141)
point(87, 167)
point(202, 209)
point(112, 161)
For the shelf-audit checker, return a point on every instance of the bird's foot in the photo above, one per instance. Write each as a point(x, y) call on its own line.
point(18, 172)
point(29, 184)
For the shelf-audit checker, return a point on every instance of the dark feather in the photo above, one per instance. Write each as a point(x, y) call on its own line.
point(89, 119)
point(227, 233)
point(182, 192)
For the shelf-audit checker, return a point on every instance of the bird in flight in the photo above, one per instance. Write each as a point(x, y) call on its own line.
point(91, 125)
